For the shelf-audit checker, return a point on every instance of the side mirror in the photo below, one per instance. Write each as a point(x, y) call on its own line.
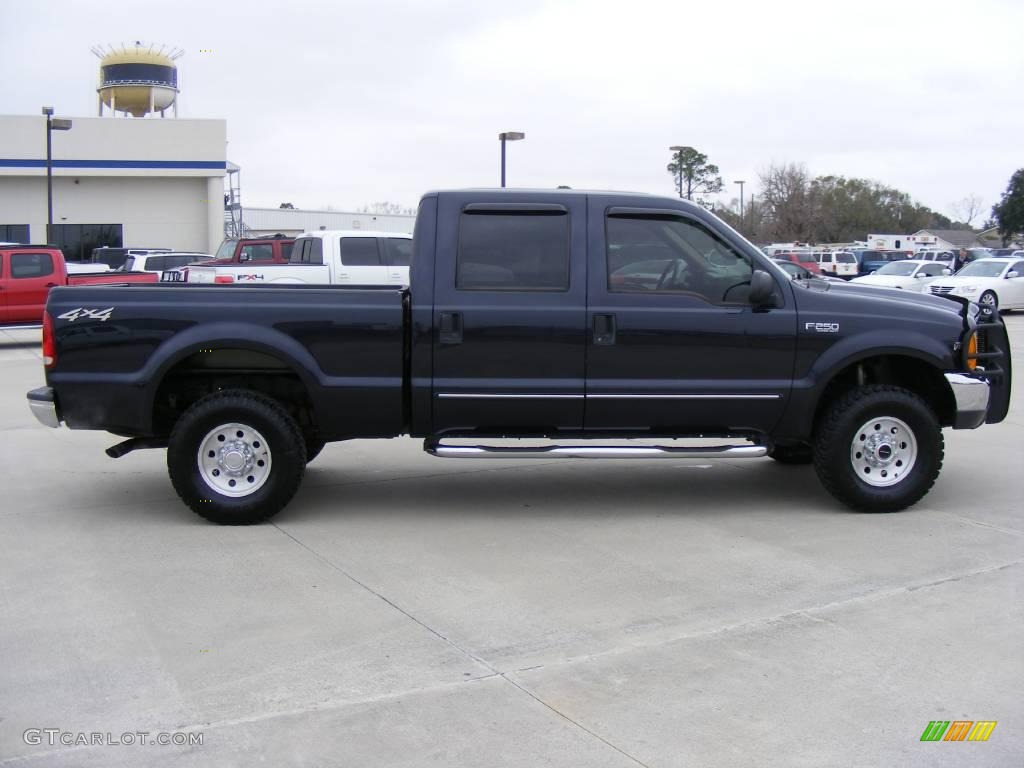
point(947, 271)
point(920, 275)
point(762, 289)
point(244, 257)
point(1012, 273)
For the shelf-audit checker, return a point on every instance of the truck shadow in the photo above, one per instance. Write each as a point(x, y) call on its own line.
point(571, 489)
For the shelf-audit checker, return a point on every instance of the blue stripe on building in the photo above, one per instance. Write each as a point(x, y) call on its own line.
point(189, 165)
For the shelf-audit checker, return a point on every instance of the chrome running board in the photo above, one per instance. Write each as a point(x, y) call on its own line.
point(443, 451)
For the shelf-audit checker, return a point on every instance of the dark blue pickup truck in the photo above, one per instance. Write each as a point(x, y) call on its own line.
point(586, 319)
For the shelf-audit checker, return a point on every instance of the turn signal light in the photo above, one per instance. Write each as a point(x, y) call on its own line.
point(972, 352)
point(49, 346)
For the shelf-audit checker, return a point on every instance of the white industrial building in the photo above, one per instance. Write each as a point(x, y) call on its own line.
point(116, 181)
point(291, 221)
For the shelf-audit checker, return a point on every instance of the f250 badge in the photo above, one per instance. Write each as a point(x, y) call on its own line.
point(822, 327)
point(84, 312)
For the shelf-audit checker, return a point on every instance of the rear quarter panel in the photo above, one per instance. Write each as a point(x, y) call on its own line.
point(346, 346)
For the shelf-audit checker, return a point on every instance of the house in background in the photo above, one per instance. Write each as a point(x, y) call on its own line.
point(992, 239)
point(949, 239)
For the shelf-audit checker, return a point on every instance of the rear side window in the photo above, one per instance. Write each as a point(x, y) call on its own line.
point(806, 258)
point(360, 252)
point(155, 263)
point(307, 250)
point(845, 258)
point(397, 251)
point(31, 265)
point(513, 251)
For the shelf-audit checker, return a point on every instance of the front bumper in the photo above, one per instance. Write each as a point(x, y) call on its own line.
point(971, 397)
point(43, 405)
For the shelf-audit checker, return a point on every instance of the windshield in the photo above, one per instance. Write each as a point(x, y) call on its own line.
point(897, 268)
point(227, 249)
point(982, 268)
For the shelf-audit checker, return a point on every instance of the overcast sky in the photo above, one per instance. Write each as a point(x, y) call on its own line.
point(349, 102)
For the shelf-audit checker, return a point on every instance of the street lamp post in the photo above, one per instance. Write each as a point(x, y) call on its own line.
point(503, 137)
point(679, 159)
point(52, 125)
point(741, 183)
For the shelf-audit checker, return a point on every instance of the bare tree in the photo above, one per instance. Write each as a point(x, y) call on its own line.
point(968, 209)
point(786, 201)
point(387, 207)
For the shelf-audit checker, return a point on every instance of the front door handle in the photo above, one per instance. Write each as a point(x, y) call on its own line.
point(604, 330)
point(451, 328)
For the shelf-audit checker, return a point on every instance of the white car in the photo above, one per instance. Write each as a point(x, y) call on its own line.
point(996, 282)
point(909, 275)
point(327, 257)
point(159, 262)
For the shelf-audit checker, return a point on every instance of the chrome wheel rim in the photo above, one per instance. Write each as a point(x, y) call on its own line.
point(883, 451)
point(987, 299)
point(234, 460)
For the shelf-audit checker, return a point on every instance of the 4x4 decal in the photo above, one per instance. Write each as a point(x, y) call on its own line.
point(84, 312)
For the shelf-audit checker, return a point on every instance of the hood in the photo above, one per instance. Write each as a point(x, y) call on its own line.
point(891, 295)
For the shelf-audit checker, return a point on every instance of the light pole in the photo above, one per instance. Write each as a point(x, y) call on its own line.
point(503, 137)
point(679, 172)
point(52, 125)
point(741, 183)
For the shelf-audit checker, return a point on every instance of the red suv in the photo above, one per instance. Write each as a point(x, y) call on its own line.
point(805, 259)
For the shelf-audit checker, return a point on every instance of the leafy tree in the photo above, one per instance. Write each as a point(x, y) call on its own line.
point(693, 174)
point(1009, 211)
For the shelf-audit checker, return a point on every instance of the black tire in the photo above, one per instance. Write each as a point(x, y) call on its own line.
point(792, 454)
point(284, 450)
point(989, 303)
point(845, 471)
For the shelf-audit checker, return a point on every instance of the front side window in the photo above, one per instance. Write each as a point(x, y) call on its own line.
point(513, 251)
point(262, 252)
point(31, 265)
point(668, 254)
point(360, 252)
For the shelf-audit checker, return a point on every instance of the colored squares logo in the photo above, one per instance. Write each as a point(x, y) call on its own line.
point(958, 730)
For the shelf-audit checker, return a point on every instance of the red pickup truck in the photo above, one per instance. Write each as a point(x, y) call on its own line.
point(27, 273)
point(269, 249)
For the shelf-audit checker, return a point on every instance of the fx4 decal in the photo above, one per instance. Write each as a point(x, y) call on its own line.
point(89, 314)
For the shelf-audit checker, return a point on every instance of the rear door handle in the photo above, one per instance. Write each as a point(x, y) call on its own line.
point(451, 328)
point(604, 330)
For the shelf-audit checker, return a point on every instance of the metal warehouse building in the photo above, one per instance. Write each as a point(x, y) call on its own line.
point(116, 181)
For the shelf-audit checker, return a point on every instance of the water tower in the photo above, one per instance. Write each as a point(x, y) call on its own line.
point(138, 79)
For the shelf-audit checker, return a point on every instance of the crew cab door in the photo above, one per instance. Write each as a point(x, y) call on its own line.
point(674, 345)
point(29, 277)
point(361, 262)
point(509, 314)
point(397, 252)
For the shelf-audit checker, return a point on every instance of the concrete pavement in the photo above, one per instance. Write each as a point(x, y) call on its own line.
point(408, 610)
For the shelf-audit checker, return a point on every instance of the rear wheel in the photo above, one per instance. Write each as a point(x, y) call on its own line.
point(879, 449)
point(236, 457)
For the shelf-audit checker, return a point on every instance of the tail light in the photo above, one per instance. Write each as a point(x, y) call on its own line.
point(223, 279)
point(49, 346)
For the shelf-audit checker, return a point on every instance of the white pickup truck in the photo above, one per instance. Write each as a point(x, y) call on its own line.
point(327, 257)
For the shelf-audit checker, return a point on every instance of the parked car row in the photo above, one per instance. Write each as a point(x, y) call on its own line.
point(28, 272)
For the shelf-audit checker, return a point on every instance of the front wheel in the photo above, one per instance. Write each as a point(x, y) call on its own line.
point(879, 449)
point(236, 457)
point(989, 302)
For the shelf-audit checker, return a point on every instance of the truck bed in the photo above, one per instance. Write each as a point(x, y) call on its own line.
point(120, 349)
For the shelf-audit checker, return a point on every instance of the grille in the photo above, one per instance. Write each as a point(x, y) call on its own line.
point(940, 290)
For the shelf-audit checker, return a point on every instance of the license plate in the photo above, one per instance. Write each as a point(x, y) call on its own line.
point(171, 277)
